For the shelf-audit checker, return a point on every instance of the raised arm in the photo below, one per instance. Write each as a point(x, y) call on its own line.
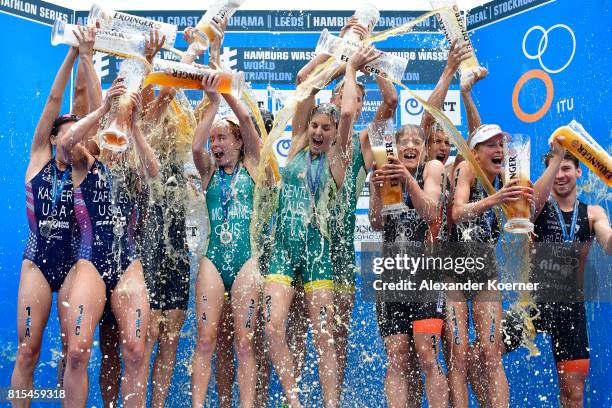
point(41, 140)
point(250, 137)
point(471, 110)
point(143, 150)
point(456, 55)
point(543, 186)
point(87, 89)
point(201, 158)
point(385, 111)
point(601, 226)
point(80, 129)
point(375, 211)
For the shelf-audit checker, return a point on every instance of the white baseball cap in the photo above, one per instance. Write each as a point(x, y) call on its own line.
point(484, 133)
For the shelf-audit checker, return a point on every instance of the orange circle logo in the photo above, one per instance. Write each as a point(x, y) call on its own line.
point(533, 74)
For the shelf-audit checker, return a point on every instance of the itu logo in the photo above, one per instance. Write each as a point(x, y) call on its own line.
point(413, 107)
point(544, 45)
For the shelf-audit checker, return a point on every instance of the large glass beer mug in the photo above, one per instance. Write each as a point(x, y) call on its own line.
point(180, 75)
point(580, 143)
point(123, 22)
point(517, 150)
point(116, 135)
point(367, 14)
point(382, 140)
point(453, 27)
point(387, 66)
point(121, 44)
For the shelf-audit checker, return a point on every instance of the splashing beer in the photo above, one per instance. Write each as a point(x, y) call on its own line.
point(516, 156)
point(382, 139)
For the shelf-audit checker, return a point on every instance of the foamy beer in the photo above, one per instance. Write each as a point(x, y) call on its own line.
point(386, 66)
point(115, 20)
point(180, 75)
point(124, 45)
point(453, 27)
point(217, 11)
point(115, 136)
point(367, 14)
point(516, 156)
point(580, 143)
point(382, 140)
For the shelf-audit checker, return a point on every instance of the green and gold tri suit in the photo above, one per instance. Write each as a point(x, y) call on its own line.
point(302, 240)
point(229, 198)
point(342, 224)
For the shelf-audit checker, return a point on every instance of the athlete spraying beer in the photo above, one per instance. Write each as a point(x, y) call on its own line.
point(315, 169)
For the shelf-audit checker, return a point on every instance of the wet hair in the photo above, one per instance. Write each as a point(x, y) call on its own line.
point(268, 120)
point(328, 109)
point(60, 120)
point(567, 156)
point(340, 84)
point(410, 128)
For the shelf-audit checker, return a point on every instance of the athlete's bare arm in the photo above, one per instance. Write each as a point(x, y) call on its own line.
point(201, 158)
point(601, 226)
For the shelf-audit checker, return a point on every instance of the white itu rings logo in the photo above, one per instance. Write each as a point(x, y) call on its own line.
point(543, 46)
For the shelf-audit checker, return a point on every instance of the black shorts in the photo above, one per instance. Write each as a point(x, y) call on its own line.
point(564, 322)
point(165, 259)
point(398, 317)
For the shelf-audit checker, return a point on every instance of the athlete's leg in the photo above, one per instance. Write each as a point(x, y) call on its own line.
point(572, 378)
point(487, 317)
point(86, 304)
point(209, 303)
point(277, 300)
point(33, 306)
point(403, 379)
point(321, 311)
point(110, 365)
point(62, 312)
point(130, 304)
point(155, 321)
point(244, 308)
point(297, 327)
point(261, 354)
point(224, 370)
point(163, 368)
point(456, 347)
point(426, 343)
point(476, 375)
point(344, 301)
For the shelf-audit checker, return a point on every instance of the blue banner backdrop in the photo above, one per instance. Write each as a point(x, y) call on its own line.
point(564, 43)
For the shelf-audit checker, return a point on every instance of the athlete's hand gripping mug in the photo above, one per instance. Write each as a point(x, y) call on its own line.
point(386, 66)
point(580, 143)
point(517, 150)
point(453, 27)
point(180, 75)
point(217, 11)
point(367, 14)
point(121, 44)
point(382, 140)
point(115, 136)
